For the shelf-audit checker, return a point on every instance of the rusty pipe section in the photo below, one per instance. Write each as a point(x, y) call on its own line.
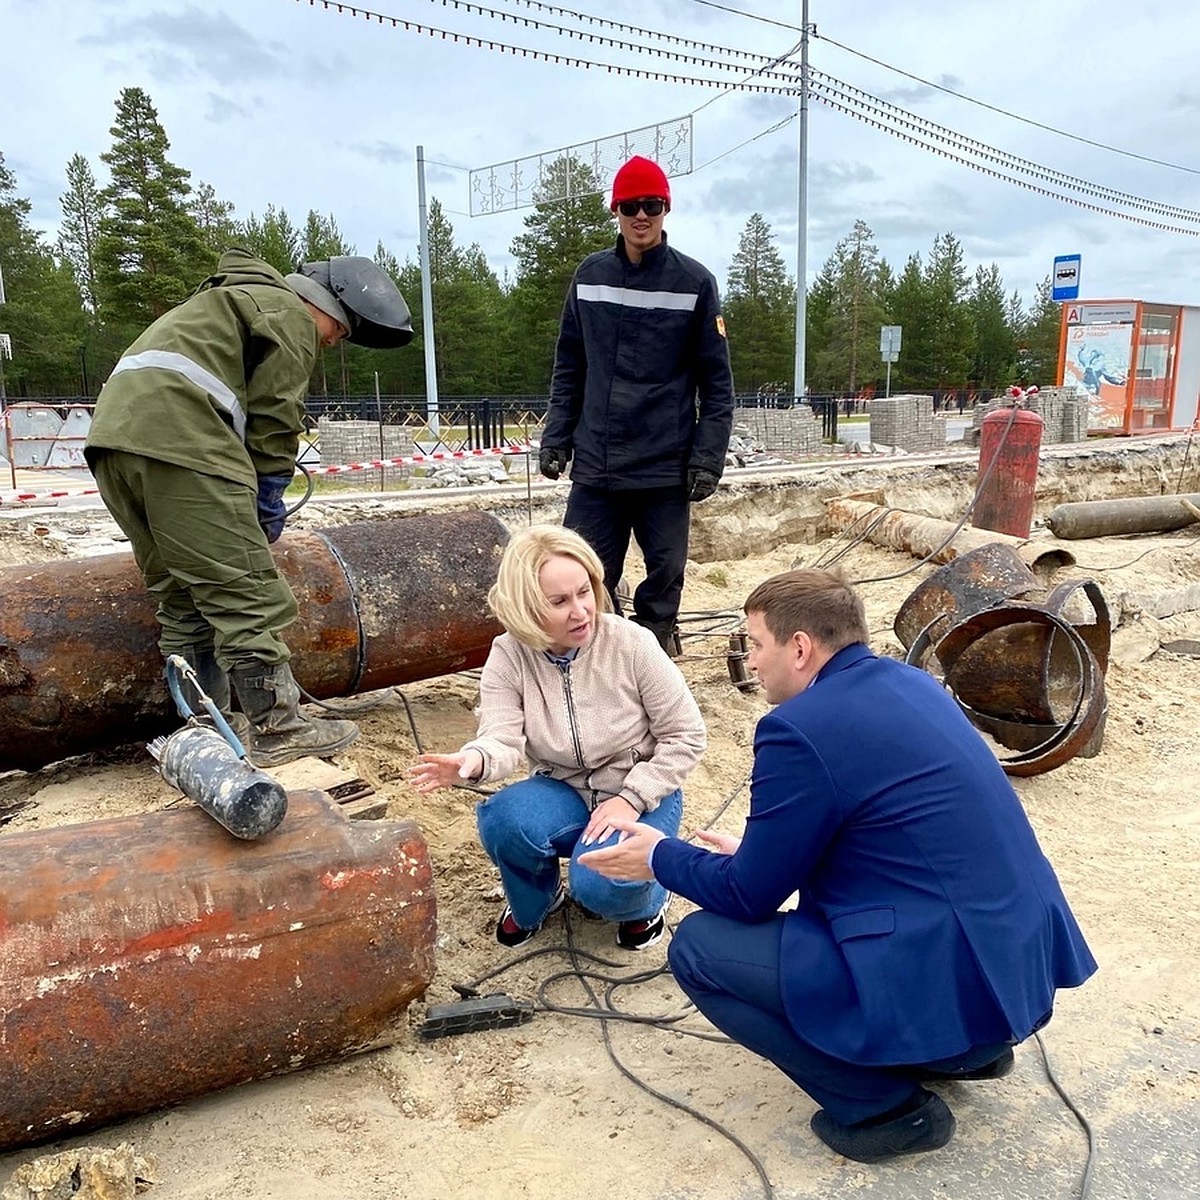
point(1131, 514)
point(151, 959)
point(927, 537)
point(1026, 668)
point(381, 603)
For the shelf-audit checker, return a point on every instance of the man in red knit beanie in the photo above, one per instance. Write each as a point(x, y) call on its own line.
point(641, 402)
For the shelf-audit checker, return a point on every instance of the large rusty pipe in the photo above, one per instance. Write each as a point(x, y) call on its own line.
point(381, 603)
point(147, 960)
point(1132, 514)
point(927, 537)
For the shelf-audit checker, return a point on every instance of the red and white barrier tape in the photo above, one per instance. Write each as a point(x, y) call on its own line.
point(375, 464)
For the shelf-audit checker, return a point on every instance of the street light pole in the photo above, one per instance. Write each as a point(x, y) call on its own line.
point(431, 387)
point(802, 211)
point(5, 344)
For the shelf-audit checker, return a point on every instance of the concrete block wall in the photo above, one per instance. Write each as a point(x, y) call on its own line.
point(791, 431)
point(907, 422)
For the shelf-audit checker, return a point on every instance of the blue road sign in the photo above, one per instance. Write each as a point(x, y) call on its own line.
point(1065, 277)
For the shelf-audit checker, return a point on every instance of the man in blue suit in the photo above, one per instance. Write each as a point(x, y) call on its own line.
point(931, 932)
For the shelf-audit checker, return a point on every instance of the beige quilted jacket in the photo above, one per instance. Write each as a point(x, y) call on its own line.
point(618, 720)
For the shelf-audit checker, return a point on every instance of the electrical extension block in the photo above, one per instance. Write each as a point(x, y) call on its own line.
point(497, 1011)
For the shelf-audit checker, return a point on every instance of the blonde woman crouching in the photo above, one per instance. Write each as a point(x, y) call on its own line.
point(605, 721)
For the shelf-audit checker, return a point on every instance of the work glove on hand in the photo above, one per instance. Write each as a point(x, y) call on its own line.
point(271, 511)
point(552, 462)
point(701, 483)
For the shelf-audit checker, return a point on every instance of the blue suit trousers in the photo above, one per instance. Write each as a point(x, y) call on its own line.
point(730, 970)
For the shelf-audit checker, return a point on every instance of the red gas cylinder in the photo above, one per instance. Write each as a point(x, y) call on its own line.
point(1009, 442)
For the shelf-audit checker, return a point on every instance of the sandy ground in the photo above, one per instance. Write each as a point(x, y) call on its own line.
point(543, 1111)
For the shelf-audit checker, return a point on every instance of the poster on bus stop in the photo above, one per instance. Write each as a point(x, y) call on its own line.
point(1096, 359)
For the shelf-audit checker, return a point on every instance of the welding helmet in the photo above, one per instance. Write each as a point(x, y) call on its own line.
point(358, 294)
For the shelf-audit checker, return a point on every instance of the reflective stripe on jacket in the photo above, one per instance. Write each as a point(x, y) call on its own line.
point(218, 383)
point(642, 388)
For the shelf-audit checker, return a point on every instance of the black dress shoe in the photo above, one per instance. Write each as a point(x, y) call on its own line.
point(928, 1127)
point(996, 1069)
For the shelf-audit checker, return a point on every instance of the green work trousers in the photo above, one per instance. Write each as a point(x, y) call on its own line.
point(198, 544)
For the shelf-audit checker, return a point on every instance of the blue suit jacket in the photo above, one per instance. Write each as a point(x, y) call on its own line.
point(929, 920)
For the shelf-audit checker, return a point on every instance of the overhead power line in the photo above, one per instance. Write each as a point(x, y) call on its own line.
point(1004, 112)
point(1018, 181)
point(623, 27)
point(903, 116)
point(569, 60)
point(754, 56)
point(737, 12)
point(853, 102)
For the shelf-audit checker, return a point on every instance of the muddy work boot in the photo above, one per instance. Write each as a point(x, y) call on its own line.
point(214, 682)
point(270, 697)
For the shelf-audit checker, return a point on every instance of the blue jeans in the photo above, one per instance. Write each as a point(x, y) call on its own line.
point(730, 971)
point(528, 826)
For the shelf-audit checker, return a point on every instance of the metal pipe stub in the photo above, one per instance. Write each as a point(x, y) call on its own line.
point(739, 673)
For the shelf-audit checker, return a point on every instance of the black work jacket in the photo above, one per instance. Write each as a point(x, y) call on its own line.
point(642, 388)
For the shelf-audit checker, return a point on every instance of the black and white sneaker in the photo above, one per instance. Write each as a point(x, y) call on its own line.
point(642, 934)
point(510, 934)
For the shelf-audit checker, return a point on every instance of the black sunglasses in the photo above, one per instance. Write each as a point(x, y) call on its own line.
point(652, 208)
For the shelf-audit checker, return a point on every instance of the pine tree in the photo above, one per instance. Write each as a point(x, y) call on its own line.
point(995, 343)
point(760, 311)
point(42, 313)
point(274, 239)
point(561, 233)
point(1043, 329)
point(850, 357)
point(150, 254)
point(908, 306)
point(214, 219)
point(466, 300)
point(818, 318)
point(950, 325)
point(322, 238)
point(82, 209)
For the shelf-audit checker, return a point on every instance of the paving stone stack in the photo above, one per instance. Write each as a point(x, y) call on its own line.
point(344, 442)
point(1064, 413)
point(790, 431)
point(907, 422)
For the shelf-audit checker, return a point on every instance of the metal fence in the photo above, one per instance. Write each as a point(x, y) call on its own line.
point(50, 432)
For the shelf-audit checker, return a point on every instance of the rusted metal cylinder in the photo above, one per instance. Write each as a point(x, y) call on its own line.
point(381, 603)
point(148, 960)
point(927, 537)
point(980, 578)
point(1133, 514)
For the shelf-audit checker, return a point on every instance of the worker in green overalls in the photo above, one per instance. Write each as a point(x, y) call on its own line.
point(193, 443)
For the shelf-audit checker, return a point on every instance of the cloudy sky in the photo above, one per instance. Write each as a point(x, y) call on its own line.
point(290, 102)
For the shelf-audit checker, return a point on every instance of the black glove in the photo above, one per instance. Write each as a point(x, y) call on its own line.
point(271, 512)
point(701, 483)
point(552, 462)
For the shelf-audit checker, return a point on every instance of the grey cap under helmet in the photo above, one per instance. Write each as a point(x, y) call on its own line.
point(358, 294)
